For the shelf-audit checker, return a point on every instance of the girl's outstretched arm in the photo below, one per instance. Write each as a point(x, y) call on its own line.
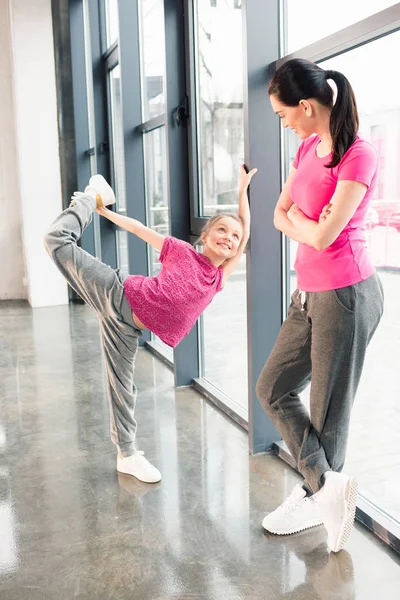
point(244, 213)
point(133, 226)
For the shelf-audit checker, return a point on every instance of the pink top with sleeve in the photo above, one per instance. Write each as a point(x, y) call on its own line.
point(170, 304)
point(347, 260)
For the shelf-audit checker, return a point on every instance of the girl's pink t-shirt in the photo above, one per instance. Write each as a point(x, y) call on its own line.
point(347, 260)
point(170, 304)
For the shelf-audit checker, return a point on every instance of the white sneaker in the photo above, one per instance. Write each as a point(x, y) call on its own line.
point(296, 514)
point(337, 501)
point(104, 192)
point(138, 466)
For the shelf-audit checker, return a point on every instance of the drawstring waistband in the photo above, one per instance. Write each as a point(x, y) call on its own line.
point(302, 296)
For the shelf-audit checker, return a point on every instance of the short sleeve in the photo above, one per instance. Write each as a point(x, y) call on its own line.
point(168, 241)
point(297, 158)
point(360, 163)
point(220, 276)
point(174, 247)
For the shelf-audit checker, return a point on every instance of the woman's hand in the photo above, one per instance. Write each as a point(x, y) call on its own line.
point(245, 178)
point(325, 212)
point(296, 215)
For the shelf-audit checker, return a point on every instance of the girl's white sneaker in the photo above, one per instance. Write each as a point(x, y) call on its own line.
point(138, 466)
point(104, 192)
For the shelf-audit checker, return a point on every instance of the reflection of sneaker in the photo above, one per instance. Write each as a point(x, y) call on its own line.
point(336, 501)
point(138, 466)
point(104, 192)
point(335, 580)
point(296, 514)
point(135, 487)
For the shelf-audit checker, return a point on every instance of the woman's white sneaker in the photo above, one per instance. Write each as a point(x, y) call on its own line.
point(138, 466)
point(337, 502)
point(297, 513)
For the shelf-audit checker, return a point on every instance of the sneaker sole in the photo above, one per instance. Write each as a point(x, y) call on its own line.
point(298, 530)
point(348, 522)
point(136, 477)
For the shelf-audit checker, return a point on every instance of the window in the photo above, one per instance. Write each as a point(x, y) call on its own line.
point(152, 57)
point(220, 132)
point(219, 105)
point(112, 25)
point(316, 19)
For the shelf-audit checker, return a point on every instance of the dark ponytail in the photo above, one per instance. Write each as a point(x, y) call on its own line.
point(343, 123)
point(299, 79)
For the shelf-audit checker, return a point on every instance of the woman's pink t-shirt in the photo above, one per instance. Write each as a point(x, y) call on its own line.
point(347, 260)
point(170, 304)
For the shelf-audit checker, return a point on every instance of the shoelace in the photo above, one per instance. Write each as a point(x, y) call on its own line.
point(75, 198)
point(288, 505)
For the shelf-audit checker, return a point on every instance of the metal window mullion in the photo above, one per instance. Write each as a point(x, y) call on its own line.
point(129, 59)
point(369, 29)
point(107, 232)
point(80, 103)
point(186, 355)
point(193, 154)
point(264, 261)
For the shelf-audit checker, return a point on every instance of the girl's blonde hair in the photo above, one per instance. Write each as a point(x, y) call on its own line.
point(213, 220)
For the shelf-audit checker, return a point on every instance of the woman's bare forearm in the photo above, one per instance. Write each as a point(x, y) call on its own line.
point(283, 224)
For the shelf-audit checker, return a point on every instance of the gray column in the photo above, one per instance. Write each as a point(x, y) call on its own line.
point(264, 261)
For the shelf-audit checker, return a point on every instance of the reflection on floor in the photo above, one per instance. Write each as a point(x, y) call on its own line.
point(70, 527)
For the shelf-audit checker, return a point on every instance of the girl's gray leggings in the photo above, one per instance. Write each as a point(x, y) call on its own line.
point(101, 287)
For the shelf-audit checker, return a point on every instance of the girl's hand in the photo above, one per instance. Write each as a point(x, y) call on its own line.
point(325, 212)
point(245, 178)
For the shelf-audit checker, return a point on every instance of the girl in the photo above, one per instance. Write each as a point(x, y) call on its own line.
point(168, 304)
point(339, 301)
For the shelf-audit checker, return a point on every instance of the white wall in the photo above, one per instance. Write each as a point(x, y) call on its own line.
point(11, 253)
point(37, 143)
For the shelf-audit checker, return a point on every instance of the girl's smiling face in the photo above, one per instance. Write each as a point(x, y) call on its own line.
point(223, 238)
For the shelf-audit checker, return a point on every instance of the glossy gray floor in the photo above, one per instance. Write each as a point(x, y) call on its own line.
point(71, 528)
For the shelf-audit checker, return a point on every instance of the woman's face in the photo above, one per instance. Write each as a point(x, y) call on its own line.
point(298, 118)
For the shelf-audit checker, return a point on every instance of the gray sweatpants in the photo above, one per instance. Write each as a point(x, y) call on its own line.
point(101, 287)
point(323, 341)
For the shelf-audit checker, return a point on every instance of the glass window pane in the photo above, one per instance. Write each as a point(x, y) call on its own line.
point(117, 139)
point(156, 180)
point(219, 55)
point(152, 58)
point(224, 333)
point(316, 19)
point(373, 451)
point(122, 250)
point(112, 25)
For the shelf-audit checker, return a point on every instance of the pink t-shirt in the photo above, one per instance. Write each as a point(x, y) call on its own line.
point(170, 304)
point(347, 260)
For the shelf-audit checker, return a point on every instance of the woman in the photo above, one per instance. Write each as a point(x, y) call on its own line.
point(339, 301)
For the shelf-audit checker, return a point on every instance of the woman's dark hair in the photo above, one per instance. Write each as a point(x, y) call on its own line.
point(299, 79)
